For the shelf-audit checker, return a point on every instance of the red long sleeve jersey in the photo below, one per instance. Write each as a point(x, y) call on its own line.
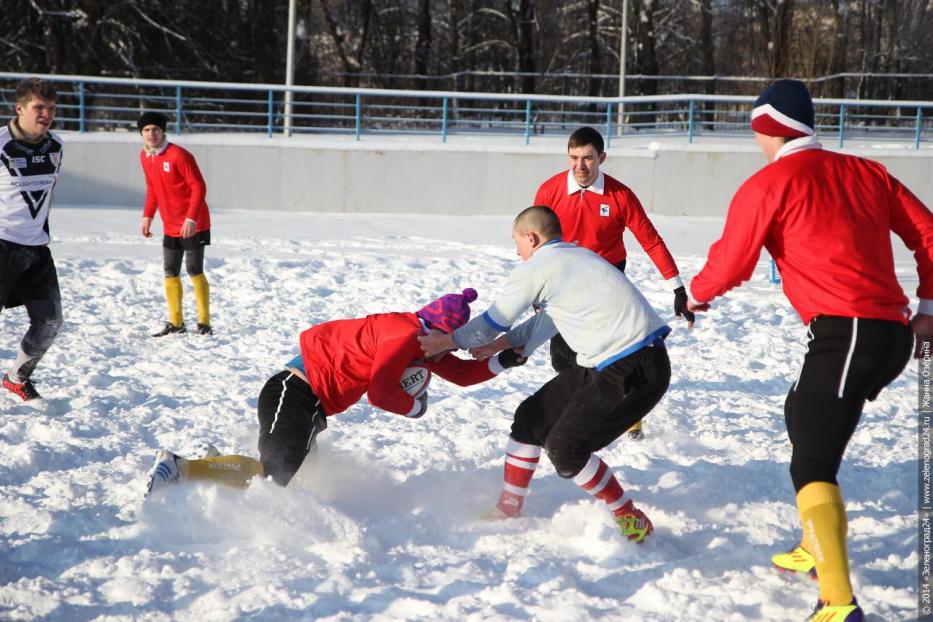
point(597, 220)
point(175, 186)
point(826, 219)
point(345, 358)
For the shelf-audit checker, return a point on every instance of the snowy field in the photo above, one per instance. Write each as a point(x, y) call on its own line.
point(384, 525)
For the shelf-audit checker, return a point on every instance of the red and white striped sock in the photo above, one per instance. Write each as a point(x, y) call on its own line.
point(598, 480)
point(521, 460)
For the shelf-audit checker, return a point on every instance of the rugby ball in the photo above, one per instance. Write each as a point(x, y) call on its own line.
point(415, 380)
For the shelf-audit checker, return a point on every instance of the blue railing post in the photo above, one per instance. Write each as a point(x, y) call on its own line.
point(690, 124)
point(81, 109)
point(178, 110)
point(444, 120)
point(359, 115)
point(919, 127)
point(527, 121)
point(270, 114)
point(842, 125)
point(609, 125)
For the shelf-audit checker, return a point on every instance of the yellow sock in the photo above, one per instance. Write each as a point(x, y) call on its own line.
point(236, 471)
point(635, 427)
point(823, 515)
point(173, 297)
point(202, 295)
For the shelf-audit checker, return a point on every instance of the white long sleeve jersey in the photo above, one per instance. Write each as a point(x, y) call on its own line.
point(28, 173)
point(600, 314)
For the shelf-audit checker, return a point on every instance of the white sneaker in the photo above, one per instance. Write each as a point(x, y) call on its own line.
point(164, 472)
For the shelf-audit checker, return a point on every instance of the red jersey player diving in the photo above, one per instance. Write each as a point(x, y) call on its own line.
point(339, 361)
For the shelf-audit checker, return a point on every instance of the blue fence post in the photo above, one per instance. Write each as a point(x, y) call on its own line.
point(81, 109)
point(359, 115)
point(270, 114)
point(842, 125)
point(919, 127)
point(609, 125)
point(444, 120)
point(178, 110)
point(690, 124)
point(775, 276)
point(528, 122)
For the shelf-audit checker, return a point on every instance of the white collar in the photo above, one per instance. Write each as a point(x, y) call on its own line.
point(159, 150)
point(798, 144)
point(597, 186)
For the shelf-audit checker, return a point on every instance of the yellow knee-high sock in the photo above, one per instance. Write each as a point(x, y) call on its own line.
point(202, 295)
point(823, 515)
point(635, 427)
point(236, 471)
point(173, 297)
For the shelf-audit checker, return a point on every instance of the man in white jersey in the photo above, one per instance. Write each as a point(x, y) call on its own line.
point(30, 161)
point(622, 366)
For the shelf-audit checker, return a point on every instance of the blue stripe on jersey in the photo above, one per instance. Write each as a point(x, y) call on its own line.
point(297, 363)
point(655, 338)
point(493, 323)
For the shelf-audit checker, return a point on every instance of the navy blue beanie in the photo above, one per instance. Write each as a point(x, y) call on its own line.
point(784, 109)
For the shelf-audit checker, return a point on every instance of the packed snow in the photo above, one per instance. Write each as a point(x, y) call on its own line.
point(385, 524)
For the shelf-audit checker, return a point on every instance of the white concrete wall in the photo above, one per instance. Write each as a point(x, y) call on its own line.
point(337, 174)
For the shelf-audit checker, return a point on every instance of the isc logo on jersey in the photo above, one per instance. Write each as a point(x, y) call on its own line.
point(165, 167)
point(603, 210)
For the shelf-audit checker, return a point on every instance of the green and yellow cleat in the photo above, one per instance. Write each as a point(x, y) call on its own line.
point(839, 613)
point(794, 561)
point(634, 525)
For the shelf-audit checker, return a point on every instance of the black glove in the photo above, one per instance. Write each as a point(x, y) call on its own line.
point(423, 399)
point(511, 358)
point(680, 304)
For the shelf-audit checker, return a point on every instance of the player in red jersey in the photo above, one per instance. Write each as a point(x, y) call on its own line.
point(339, 361)
point(175, 187)
point(594, 210)
point(826, 219)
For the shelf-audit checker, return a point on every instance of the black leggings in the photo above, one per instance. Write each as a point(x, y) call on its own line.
point(290, 418)
point(848, 361)
point(194, 261)
point(582, 410)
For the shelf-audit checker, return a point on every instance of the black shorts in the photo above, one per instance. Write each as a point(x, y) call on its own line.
point(848, 362)
point(27, 273)
point(290, 418)
point(582, 410)
point(201, 238)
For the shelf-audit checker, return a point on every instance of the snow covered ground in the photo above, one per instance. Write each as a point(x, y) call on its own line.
point(384, 524)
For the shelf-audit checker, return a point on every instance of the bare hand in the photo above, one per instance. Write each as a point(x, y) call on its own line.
point(697, 307)
point(923, 330)
point(436, 342)
point(189, 228)
point(147, 225)
point(481, 353)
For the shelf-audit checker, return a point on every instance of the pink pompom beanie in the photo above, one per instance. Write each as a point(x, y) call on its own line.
point(449, 312)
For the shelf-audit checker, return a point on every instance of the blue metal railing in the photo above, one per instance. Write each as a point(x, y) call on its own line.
point(93, 103)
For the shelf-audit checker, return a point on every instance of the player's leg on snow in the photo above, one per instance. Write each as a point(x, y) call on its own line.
point(194, 264)
point(597, 480)
point(521, 460)
point(290, 418)
point(36, 287)
point(628, 389)
point(230, 470)
point(848, 361)
point(171, 263)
